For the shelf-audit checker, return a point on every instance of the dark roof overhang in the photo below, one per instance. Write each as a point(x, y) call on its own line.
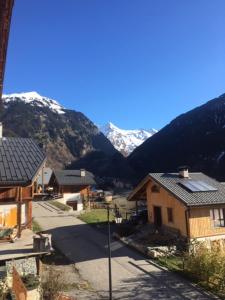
point(6, 7)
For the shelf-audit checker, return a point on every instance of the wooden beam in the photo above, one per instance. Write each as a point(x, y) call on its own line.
point(19, 210)
point(6, 7)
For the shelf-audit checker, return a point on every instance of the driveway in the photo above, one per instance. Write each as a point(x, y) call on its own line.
point(133, 276)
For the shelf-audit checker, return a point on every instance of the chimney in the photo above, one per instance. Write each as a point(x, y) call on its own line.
point(82, 172)
point(1, 129)
point(183, 172)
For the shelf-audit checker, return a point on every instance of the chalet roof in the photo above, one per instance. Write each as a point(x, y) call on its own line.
point(73, 177)
point(173, 183)
point(20, 161)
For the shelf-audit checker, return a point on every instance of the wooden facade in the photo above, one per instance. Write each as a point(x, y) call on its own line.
point(167, 210)
point(201, 225)
point(16, 207)
point(68, 189)
point(159, 197)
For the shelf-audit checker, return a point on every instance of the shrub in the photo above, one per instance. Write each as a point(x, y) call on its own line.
point(31, 281)
point(3, 290)
point(52, 285)
point(207, 266)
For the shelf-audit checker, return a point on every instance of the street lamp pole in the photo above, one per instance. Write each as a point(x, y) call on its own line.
point(109, 256)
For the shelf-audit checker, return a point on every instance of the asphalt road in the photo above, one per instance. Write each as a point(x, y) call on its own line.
point(133, 276)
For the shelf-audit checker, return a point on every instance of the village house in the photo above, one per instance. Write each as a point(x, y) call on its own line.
point(42, 182)
point(73, 186)
point(191, 204)
point(20, 162)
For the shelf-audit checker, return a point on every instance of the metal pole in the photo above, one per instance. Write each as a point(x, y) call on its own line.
point(109, 248)
point(43, 185)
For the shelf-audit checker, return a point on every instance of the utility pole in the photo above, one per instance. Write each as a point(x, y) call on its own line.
point(109, 255)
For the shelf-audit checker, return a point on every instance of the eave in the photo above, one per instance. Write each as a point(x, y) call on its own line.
point(6, 7)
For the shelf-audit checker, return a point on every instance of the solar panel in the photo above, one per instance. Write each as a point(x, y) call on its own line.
point(198, 186)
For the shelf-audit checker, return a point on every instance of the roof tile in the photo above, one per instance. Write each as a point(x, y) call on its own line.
point(172, 182)
point(20, 160)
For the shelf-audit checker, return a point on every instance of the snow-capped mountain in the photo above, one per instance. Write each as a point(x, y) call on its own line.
point(67, 136)
point(123, 140)
point(34, 99)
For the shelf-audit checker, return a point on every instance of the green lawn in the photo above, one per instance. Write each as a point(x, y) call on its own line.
point(59, 205)
point(96, 216)
point(35, 226)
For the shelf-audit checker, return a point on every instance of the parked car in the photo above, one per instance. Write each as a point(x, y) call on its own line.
point(141, 217)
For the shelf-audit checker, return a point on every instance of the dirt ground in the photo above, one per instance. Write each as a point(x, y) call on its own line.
point(74, 285)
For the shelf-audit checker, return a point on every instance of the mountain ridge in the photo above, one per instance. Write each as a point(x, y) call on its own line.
point(125, 141)
point(195, 138)
point(66, 136)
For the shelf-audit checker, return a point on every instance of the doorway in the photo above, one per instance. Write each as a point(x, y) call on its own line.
point(157, 216)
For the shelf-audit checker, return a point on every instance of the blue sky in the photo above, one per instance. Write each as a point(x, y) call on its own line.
point(137, 63)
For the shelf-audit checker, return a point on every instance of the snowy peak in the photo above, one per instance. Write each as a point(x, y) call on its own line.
point(34, 99)
point(123, 140)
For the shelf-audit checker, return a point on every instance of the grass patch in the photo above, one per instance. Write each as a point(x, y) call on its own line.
point(60, 205)
point(95, 216)
point(36, 226)
point(173, 263)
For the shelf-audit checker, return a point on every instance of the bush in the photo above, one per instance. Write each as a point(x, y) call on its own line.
point(3, 290)
point(207, 266)
point(52, 285)
point(31, 281)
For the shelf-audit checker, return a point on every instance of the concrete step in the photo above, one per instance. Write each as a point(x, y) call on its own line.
point(53, 207)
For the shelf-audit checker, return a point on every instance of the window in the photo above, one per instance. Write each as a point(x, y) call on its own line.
point(217, 217)
point(155, 189)
point(170, 214)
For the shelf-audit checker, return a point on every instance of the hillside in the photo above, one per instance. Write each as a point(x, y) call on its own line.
point(196, 139)
point(65, 135)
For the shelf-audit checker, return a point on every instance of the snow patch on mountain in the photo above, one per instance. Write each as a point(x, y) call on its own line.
point(123, 140)
point(34, 99)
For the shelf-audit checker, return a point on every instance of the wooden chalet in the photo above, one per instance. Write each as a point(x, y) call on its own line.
point(192, 204)
point(20, 162)
point(72, 185)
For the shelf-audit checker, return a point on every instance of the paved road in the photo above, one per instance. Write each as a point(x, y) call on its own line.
point(134, 277)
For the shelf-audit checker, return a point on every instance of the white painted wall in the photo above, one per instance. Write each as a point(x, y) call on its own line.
point(74, 197)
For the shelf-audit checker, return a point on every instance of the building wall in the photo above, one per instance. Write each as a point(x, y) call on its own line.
point(8, 215)
point(74, 197)
point(165, 200)
point(9, 209)
point(201, 224)
point(74, 193)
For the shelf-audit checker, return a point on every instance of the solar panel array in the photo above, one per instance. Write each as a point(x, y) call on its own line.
point(198, 186)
